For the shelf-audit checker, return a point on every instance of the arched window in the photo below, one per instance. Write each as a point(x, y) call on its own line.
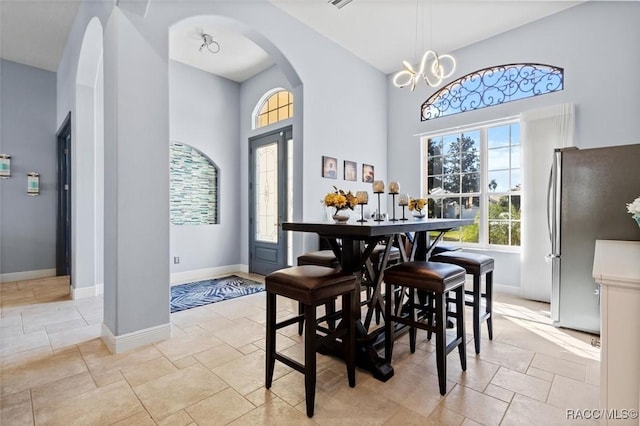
point(493, 86)
point(194, 187)
point(275, 106)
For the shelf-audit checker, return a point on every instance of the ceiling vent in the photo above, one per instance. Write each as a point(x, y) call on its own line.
point(340, 3)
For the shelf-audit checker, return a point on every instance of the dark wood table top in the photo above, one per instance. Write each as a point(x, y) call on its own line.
point(372, 228)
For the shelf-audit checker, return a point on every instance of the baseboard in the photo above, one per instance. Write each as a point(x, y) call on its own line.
point(27, 275)
point(83, 292)
point(136, 339)
point(506, 289)
point(206, 273)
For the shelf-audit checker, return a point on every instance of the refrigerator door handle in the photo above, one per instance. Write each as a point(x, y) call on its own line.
point(549, 189)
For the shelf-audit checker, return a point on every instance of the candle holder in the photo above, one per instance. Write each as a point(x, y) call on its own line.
point(403, 200)
point(378, 217)
point(393, 207)
point(363, 198)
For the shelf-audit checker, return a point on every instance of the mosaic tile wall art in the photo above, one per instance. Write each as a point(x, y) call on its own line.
point(193, 181)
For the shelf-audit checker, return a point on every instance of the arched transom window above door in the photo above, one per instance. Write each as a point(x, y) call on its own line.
point(276, 105)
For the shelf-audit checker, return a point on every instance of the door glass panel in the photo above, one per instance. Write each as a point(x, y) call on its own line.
point(266, 201)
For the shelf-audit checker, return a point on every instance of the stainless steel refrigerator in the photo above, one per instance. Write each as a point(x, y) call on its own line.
point(588, 193)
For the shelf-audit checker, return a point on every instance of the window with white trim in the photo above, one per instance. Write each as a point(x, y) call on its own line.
point(475, 174)
point(276, 107)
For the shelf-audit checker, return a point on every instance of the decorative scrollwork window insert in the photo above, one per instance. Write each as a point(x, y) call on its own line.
point(493, 86)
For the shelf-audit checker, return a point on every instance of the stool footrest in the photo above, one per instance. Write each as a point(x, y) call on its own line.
point(289, 362)
point(288, 322)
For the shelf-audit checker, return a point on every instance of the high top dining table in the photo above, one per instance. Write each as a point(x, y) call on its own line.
point(358, 240)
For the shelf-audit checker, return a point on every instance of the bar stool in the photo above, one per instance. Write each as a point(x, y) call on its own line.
point(319, 258)
point(311, 286)
point(476, 265)
point(437, 279)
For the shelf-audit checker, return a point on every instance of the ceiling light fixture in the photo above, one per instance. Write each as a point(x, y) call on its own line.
point(339, 3)
point(209, 43)
point(433, 67)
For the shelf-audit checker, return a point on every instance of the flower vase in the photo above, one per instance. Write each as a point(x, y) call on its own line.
point(340, 217)
point(418, 214)
point(637, 218)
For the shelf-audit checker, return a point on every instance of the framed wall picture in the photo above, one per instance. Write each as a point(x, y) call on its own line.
point(33, 183)
point(350, 170)
point(5, 166)
point(329, 167)
point(367, 173)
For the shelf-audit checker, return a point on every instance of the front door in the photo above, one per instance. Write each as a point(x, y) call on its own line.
point(268, 201)
point(63, 239)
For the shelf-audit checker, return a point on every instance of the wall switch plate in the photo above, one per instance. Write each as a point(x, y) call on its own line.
point(176, 260)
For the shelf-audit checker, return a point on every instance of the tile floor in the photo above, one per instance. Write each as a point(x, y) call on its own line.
point(55, 370)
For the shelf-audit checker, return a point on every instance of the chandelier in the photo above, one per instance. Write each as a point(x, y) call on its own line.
point(433, 67)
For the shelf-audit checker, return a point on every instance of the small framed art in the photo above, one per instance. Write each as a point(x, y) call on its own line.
point(329, 167)
point(368, 174)
point(350, 170)
point(33, 183)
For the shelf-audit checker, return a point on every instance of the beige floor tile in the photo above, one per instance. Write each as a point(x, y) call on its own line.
point(477, 376)
point(559, 366)
point(16, 409)
point(23, 342)
point(65, 325)
point(524, 411)
point(439, 417)
point(37, 321)
point(569, 393)
point(104, 379)
point(290, 388)
point(102, 406)
point(41, 371)
point(242, 333)
point(540, 374)
point(181, 418)
point(273, 413)
point(104, 361)
point(260, 396)
point(185, 362)
point(220, 323)
point(219, 409)
point(509, 356)
point(188, 344)
point(175, 391)
point(521, 383)
point(252, 367)
point(139, 419)
point(20, 358)
point(593, 373)
point(351, 406)
point(148, 370)
point(469, 422)
point(66, 338)
point(61, 390)
point(219, 355)
point(188, 317)
point(475, 405)
point(500, 393)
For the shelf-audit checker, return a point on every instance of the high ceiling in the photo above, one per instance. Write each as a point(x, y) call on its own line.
point(381, 32)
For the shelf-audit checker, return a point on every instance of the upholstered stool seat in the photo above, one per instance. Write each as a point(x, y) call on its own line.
point(320, 258)
point(477, 265)
point(436, 279)
point(311, 286)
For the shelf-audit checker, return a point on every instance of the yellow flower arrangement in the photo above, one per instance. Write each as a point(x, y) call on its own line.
point(340, 200)
point(417, 204)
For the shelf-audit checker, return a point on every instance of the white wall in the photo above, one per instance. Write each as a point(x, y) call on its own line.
point(204, 113)
point(597, 44)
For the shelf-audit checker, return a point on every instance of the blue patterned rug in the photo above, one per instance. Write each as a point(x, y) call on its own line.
point(191, 295)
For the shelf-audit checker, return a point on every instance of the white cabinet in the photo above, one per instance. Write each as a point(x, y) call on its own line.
point(616, 267)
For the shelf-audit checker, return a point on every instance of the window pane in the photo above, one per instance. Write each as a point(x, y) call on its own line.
point(499, 232)
point(451, 183)
point(273, 102)
point(435, 165)
point(515, 134)
point(470, 162)
point(498, 136)
point(471, 141)
point(516, 181)
point(498, 181)
point(434, 146)
point(499, 159)
point(283, 113)
point(515, 156)
point(451, 208)
point(273, 116)
point(451, 164)
point(283, 98)
point(434, 184)
point(263, 120)
point(515, 207)
point(515, 234)
point(471, 182)
point(450, 144)
point(499, 207)
point(435, 207)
